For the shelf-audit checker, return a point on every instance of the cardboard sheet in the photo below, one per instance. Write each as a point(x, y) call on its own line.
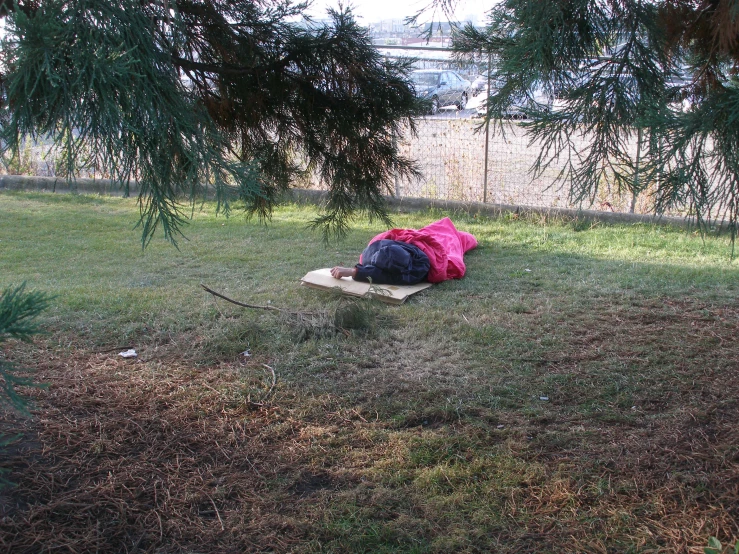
point(321, 279)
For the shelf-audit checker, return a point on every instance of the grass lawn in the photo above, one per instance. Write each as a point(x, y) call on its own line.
point(575, 392)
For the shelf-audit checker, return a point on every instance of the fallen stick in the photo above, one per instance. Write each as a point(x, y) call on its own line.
point(245, 305)
point(299, 315)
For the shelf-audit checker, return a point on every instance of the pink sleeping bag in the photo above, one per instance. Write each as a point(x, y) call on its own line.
point(442, 243)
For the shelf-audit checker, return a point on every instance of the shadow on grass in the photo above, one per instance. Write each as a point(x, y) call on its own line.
point(558, 399)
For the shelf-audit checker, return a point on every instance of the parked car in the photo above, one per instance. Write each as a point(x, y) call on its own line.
point(518, 109)
point(480, 84)
point(441, 87)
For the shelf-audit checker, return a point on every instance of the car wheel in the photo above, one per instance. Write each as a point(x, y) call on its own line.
point(434, 105)
point(462, 101)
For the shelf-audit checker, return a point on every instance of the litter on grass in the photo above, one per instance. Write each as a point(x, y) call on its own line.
point(128, 353)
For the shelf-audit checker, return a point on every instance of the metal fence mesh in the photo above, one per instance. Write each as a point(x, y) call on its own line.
point(451, 156)
point(449, 149)
point(450, 153)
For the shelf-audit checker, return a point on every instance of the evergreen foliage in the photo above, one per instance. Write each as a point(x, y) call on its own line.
point(18, 311)
point(183, 94)
point(662, 73)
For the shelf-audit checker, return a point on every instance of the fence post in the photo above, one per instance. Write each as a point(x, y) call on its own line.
point(397, 179)
point(637, 185)
point(395, 147)
point(487, 134)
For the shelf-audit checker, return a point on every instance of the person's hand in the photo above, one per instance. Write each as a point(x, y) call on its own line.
point(338, 272)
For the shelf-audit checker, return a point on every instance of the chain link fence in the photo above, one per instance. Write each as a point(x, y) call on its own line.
point(450, 149)
point(451, 157)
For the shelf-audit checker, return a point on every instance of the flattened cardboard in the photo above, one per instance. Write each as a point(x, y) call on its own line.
point(321, 279)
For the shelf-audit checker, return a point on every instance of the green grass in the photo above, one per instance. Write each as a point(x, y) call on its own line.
point(575, 392)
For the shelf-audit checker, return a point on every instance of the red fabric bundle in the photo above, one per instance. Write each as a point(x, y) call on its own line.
point(442, 243)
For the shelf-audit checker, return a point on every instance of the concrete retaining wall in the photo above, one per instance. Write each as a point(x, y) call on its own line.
point(55, 184)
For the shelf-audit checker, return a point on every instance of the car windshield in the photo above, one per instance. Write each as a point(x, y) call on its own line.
point(425, 79)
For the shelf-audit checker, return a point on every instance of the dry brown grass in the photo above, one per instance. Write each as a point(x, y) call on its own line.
point(135, 456)
point(157, 456)
point(429, 435)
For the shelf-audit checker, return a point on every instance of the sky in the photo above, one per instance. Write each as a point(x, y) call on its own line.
point(370, 11)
